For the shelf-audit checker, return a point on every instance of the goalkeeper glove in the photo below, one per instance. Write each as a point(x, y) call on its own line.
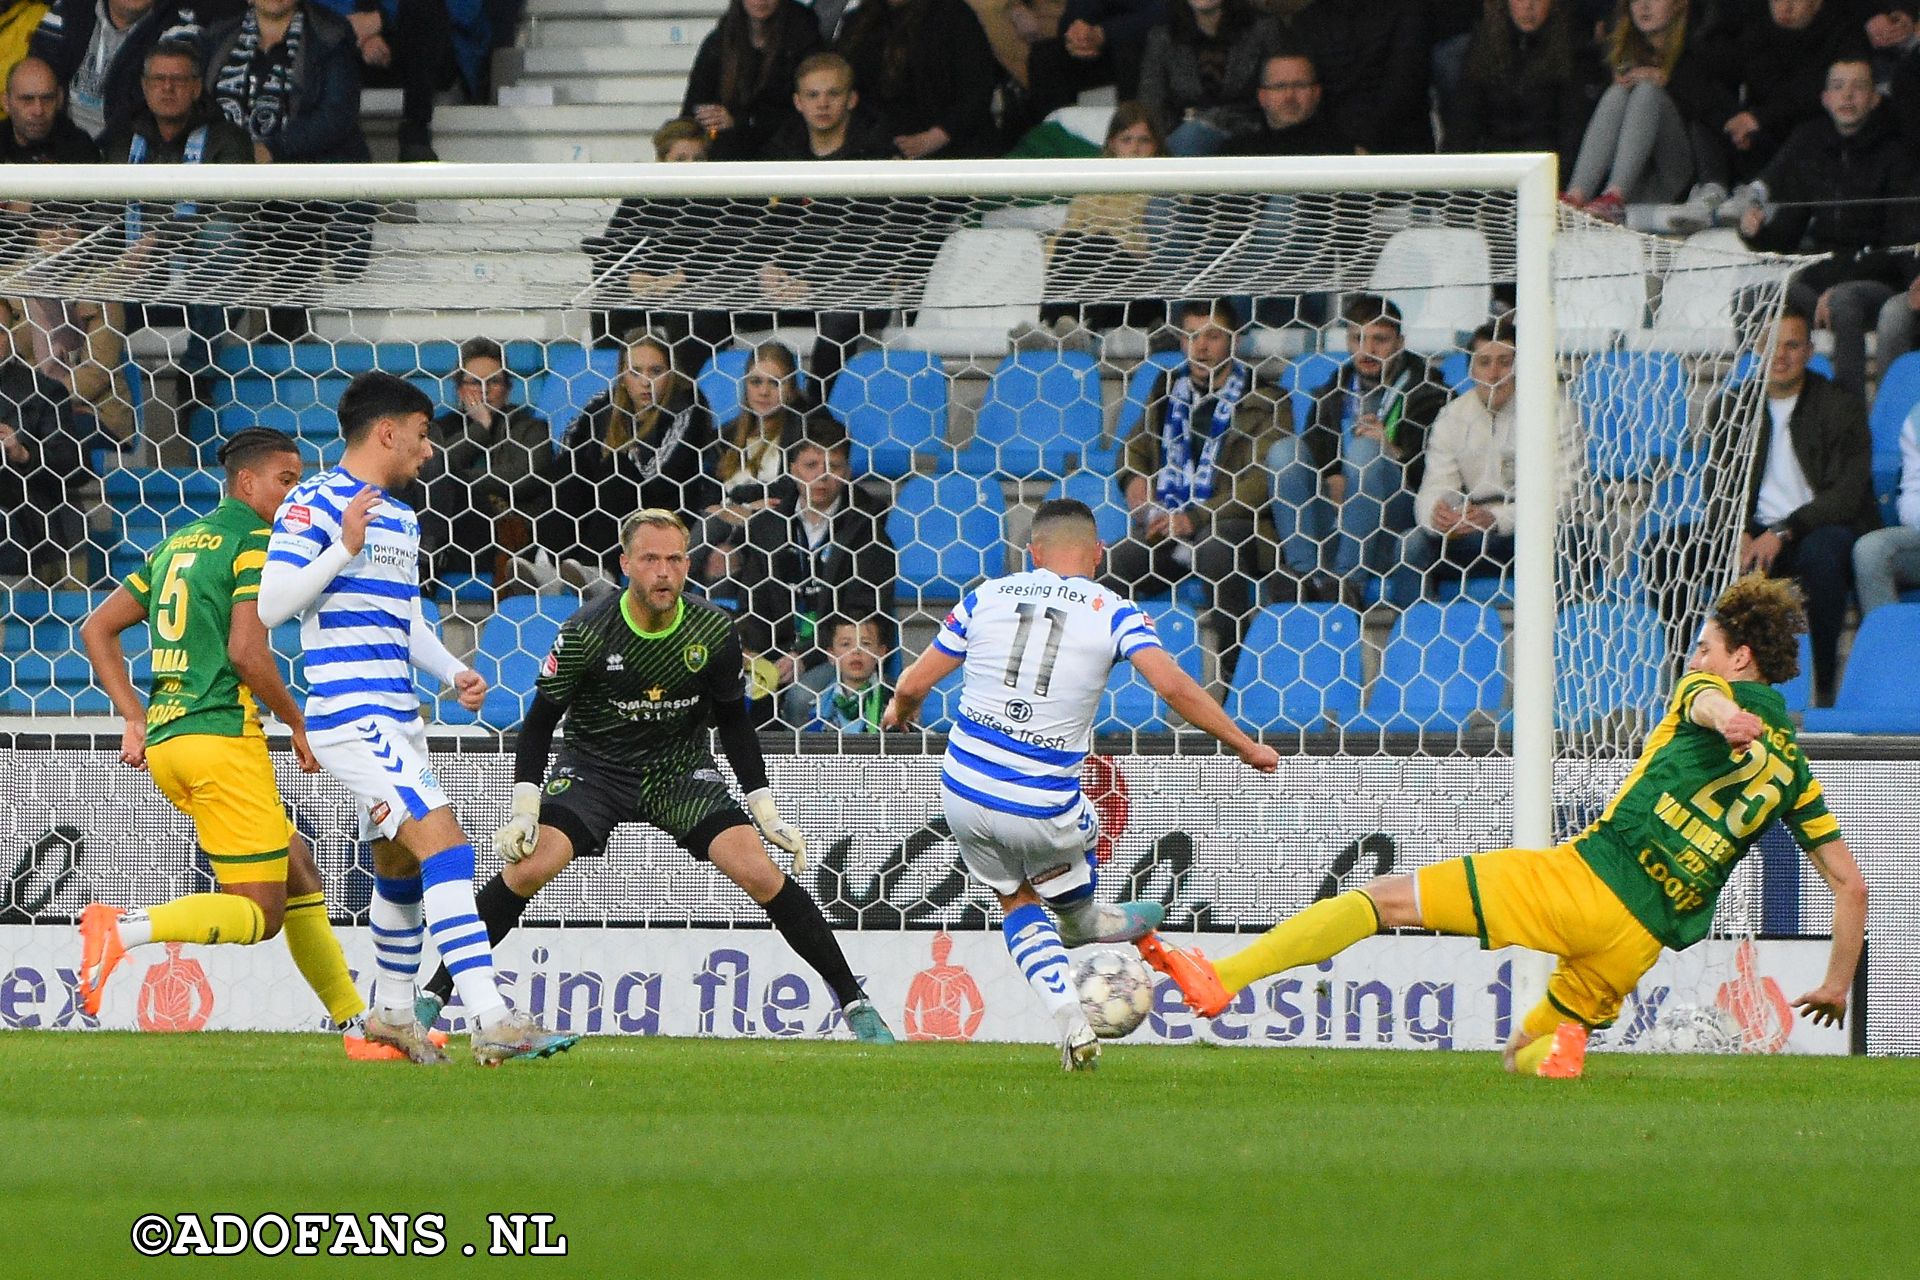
point(776, 828)
point(517, 838)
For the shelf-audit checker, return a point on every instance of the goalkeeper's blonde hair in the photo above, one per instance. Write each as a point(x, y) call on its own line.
point(651, 518)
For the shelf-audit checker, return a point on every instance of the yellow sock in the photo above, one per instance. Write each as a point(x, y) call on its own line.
point(316, 951)
point(1322, 930)
point(1527, 1061)
point(208, 918)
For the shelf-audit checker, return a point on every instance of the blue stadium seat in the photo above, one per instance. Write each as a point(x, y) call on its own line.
point(573, 376)
point(894, 405)
point(1898, 397)
point(1607, 658)
point(1486, 588)
point(513, 641)
point(1042, 411)
point(1636, 420)
point(943, 702)
point(1303, 377)
point(1139, 386)
point(1098, 491)
point(949, 531)
point(719, 383)
point(1442, 663)
point(1878, 693)
point(1130, 702)
point(1299, 665)
point(435, 357)
point(1799, 691)
point(299, 403)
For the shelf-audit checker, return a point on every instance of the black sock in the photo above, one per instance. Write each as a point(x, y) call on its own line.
point(797, 916)
point(499, 907)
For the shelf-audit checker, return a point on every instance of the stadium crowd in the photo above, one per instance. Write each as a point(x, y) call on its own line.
point(1797, 122)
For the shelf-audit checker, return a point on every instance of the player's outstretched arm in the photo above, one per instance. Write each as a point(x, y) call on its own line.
point(100, 633)
point(1827, 1003)
point(1197, 709)
point(251, 653)
point(916, 682)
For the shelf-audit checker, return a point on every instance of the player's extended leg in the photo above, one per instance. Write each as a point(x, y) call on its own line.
point(500, 903)
point(1037, 951)
point(738, 853)
point(395, 919)
point(226, 786)
point(311, 941)
point(1323, 930)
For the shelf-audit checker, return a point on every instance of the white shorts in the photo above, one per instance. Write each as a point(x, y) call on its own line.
point(1001, 850)
point(384, 764)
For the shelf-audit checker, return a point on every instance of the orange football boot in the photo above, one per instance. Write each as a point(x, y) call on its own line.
point(1568, 1057)
point(1191, 971)
point(100, 951)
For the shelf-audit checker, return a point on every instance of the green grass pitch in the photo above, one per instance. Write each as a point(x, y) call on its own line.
point(680, 1158)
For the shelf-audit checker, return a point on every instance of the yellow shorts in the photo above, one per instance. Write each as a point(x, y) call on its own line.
point(1549, 900)
point(226, 786)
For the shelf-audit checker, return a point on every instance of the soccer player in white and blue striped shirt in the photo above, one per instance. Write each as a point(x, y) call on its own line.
point(1038, 648)
point(345, 558)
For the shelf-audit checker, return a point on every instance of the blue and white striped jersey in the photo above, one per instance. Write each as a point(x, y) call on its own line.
point(1038, 649)
point(357, 632)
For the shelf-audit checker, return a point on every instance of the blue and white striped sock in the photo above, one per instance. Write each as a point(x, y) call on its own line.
point(395, 917)
point(1034, 943)
point(458, 932)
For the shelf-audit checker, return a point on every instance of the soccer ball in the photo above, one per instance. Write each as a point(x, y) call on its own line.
point(1694, 1028)
point(1116, 990)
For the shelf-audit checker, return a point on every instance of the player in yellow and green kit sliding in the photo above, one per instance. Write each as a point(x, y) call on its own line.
point(1720, 767)
point(199, 735)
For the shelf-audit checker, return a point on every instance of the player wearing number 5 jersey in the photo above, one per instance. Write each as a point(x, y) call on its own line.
point(1713, 774)
point(1037, 649)
point(345, 558)
point(199, 734)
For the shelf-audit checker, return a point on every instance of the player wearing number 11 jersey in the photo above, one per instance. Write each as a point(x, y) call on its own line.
point(1037, 649)
point(1714, 773)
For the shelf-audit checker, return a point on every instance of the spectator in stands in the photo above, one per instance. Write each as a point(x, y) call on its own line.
point(753, 447)
point(846, 693)
point(644, 253)
point(1450, 25)
point(818, 549)
point(1106, 240)
point(644, 442)
point(1895, 38)
point(37, 130)
point(82, 348)
point(1464, 511)
point(926, 69)
point(1844, 186)
point(1100, 42)
point(1373, 59)
point(1640, 146)
point(1887, 561)
point(1810, 489)
point(1199, 73)
point(40, 466)
point(1194, 476)
point(1291, 121)
point(741, 89)
point(98, 47)
point(1526, 84)
point(408, 43)
point(826, 122)
point(1360, 454)
point(287, 72)
point(175, 124)
point(1773, 74)
point(19, 19)
point(488, 479)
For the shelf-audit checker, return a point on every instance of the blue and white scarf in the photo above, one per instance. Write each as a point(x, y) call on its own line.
point(1185, 479)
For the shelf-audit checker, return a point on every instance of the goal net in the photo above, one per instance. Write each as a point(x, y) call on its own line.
point(1347, 568)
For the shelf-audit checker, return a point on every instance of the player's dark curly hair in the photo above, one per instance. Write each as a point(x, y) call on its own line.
point(245, 450)
point(1767, 615)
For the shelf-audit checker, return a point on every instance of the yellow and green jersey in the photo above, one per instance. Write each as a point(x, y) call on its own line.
point(188, 587)
point(1693, 806)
